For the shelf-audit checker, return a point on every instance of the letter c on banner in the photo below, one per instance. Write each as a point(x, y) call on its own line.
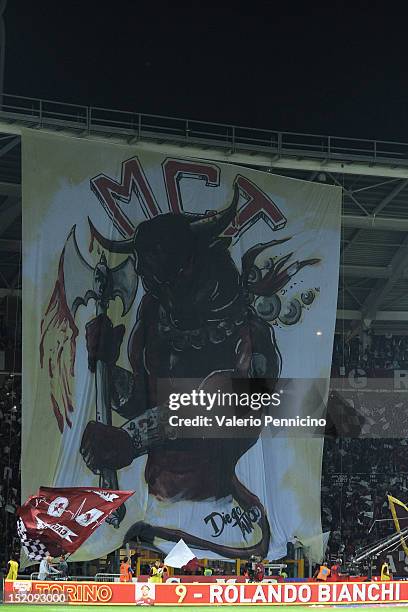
point(370, 589)
point(176, 169)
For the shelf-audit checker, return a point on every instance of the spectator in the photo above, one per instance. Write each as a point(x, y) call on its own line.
point(126, 571)
point(156, 572)
point(12, 569)
point(63, 567)
point(46, 569)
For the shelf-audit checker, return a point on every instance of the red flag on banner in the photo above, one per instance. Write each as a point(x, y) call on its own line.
point(59, 520)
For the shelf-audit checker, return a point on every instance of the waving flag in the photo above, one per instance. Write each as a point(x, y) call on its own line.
point(59, 520)
point(399, 513)
point(179, 555)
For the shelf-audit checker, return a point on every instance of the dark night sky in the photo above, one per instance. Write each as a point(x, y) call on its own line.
point(329, 67)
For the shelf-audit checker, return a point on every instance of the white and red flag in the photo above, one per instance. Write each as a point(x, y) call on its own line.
point(56, 521)
point(179, 555)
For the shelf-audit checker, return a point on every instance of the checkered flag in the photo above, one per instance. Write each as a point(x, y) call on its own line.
point(57, 520)
point(34, 549)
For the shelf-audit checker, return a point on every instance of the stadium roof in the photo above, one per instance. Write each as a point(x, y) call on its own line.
point(373, 174)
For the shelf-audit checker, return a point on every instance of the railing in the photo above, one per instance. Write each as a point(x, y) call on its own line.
point(135, 126)
point(97, 577)
point(107, 577)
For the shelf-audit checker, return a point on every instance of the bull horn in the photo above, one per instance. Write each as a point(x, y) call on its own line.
point(212, 226)
point(114, 246)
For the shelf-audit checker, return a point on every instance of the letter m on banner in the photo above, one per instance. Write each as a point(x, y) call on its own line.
point(110, 193)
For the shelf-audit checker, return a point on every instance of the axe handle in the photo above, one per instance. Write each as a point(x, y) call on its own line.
point(103, 392)
point(108, 478)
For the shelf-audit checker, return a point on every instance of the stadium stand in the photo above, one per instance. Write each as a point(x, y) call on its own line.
point(384, 353)
point(10, 451)
point(357, 472)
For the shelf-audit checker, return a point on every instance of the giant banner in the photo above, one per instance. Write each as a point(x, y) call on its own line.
point(178, 326)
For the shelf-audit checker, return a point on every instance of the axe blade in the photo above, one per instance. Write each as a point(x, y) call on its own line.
point(78, 275)
point(125, 282)
point(79, 278)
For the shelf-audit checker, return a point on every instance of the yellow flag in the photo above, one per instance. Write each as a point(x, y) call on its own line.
point(399, 513)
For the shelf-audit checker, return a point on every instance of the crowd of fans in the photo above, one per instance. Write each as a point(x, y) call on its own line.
point(10, 451)
point(358, 472)
point(377, 353)
point(7, 341)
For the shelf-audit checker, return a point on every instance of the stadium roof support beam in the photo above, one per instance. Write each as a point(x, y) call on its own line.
point(9, 212)
point(337, 167)
point(349, 194)
point(378, 294)
point(393, 194)
point(347, 289)
point(354, 271)
point(15, 282)
point(384, 202)
point(2, 47)
point(373, 222)
point(9, 146)
point(354, 239)
point(374, 186)
point(392, 170)
point(10, 293)
point(10, 189)
point(10, 246)
point(382, 315)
